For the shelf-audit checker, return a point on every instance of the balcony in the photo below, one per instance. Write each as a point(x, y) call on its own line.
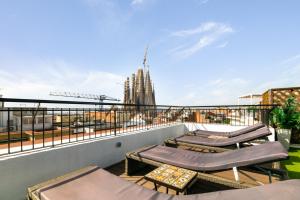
point(42, 142)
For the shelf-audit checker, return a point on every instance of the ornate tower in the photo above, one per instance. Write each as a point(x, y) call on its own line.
point(133, 89)
point(148, 90)
point(142, 90)
point(153, 96)
point(126, 92)
point(140, 87)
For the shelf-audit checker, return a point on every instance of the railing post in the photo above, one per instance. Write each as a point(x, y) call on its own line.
point(115, 122)
point(181, 115)
point(8, 130)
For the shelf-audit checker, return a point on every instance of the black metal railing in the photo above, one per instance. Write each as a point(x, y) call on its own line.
point(38, 124)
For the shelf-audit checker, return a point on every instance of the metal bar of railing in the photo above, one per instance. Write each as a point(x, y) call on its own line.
point(33, 134)
point(52, 127)
point(83, 125)
point(115, 122)
point(89, 122)
point(21, 127)
point(61, 125)
point(8, 130)
point(69, 123)
point(43, 128)
point(76, 124)
point(95, 122)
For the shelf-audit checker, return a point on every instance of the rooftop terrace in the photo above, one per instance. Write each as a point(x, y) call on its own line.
point(87, 133)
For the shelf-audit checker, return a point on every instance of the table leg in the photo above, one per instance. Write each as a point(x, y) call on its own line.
point(177, 192)
point(167, 190)
point(155, 186)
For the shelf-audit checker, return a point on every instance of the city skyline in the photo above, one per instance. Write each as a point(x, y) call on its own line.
point(210, 51)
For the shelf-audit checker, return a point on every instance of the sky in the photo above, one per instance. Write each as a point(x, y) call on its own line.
point(201, 52)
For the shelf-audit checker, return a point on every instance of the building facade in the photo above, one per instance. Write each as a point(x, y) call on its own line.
point(280, 95)
point(32, 118)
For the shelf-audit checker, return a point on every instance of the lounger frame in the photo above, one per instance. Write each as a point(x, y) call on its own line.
point(171, 142)
point(135, 162)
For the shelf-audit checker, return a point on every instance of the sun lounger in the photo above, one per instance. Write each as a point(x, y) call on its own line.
point(209, 162)
point(206, 133)
point(97, 184)
point(216, 143)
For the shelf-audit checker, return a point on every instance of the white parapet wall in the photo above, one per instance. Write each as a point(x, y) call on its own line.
point(19, 171)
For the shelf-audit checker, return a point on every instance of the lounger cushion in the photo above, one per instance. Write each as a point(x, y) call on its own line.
point(229, 134)
point(247, 129)
point(197, 161)
point(217, 137)
point(222, 142)
point(285, 190)
point(205, 133)
point(99, 184)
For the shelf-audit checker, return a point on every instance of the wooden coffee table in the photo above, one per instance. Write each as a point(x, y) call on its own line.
point(172, 177)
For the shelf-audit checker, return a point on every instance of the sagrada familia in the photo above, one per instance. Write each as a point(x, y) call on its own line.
point(141, 91)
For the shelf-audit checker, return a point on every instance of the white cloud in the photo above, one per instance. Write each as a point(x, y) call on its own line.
point(204, 1)
point(58, 76)
point(205, 35)
point(205, 27)
point(291, 59)
point(289, 77)
point(97, 3)
point(136, 2)
point(226, 90)
point(214, 92)
point(223, 45)
point(203, 42)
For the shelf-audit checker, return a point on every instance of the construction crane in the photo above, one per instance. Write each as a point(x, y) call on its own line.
point(96, 97)
point(146, 66)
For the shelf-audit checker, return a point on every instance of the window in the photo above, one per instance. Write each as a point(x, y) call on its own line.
point(48, 119)
point(27, 121)
point(40, 120)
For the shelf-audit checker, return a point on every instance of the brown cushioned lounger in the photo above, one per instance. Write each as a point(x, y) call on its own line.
point(206, 133)
point(285, 190)
point(98, 184)
point(214, 143)
point(223, 142)
point(93, 183)
point(204, 163)
point(264, 153)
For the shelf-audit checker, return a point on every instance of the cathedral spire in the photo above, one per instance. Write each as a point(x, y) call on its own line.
point(142, 90)
point(127, 91)
point(133, 89)
point(140, 87)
